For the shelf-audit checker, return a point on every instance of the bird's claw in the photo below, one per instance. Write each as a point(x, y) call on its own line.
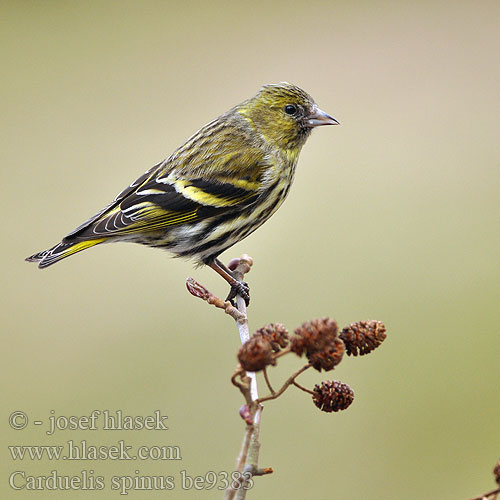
point(240, 288)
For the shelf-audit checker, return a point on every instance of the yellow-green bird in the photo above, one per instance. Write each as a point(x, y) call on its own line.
point(217, 188)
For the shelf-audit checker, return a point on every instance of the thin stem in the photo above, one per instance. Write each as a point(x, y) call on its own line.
point(487, 495)
point(252, 455)
point(234, 380)
point(249, 452)
point(247, 460)
point(243, 267)
point(240, 461)
point(285, 386)
point(266, 378)
point(198, 290)
point(243, 386)
point(284, 351)
point(302, 388)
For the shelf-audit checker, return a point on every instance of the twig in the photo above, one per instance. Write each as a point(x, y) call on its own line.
point(284, 351)
point(237, 374)
point(250, 439)
point(285, 386)
point(266, 378)
point(239, 268)
point(240, 461)
point(247, 460)
point(203, 293)
point(487, 495)
point(252, 458)
point(302, 388)
point(244, 385)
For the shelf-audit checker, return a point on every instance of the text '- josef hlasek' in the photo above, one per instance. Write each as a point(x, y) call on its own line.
point(105, 420)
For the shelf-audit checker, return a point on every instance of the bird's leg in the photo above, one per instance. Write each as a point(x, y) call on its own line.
point(237, 287)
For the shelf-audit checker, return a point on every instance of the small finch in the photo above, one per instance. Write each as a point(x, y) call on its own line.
point(217, 188)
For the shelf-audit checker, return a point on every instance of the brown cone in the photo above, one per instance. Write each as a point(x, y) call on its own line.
point(276, 334)
point(329, 357)
point(363, 337)
point(255, 354)
point(318, 340)
point(332, 395)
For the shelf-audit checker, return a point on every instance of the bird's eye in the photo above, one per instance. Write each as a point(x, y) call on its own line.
point(290, 109)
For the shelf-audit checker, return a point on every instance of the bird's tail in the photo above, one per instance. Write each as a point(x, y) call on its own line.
point(61, 251)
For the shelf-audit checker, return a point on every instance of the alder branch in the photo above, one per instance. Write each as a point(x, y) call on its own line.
point(249, 454)
point(324, 347)
point(240, 267)
point(247, 460)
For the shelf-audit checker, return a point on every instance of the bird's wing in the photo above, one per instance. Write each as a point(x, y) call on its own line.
point(193, 184)
point(118, 198)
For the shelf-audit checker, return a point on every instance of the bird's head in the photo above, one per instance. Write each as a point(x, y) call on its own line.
point(284, 114)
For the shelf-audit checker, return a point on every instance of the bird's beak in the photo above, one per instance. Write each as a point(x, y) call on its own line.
point(318, 117)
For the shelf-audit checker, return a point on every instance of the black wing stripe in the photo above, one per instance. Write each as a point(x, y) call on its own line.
point(225, 190)
point(166, 198)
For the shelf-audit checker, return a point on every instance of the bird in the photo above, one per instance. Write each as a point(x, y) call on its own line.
point(223, 183)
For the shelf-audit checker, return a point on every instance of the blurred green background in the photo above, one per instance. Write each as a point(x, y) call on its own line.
point(394, 216)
